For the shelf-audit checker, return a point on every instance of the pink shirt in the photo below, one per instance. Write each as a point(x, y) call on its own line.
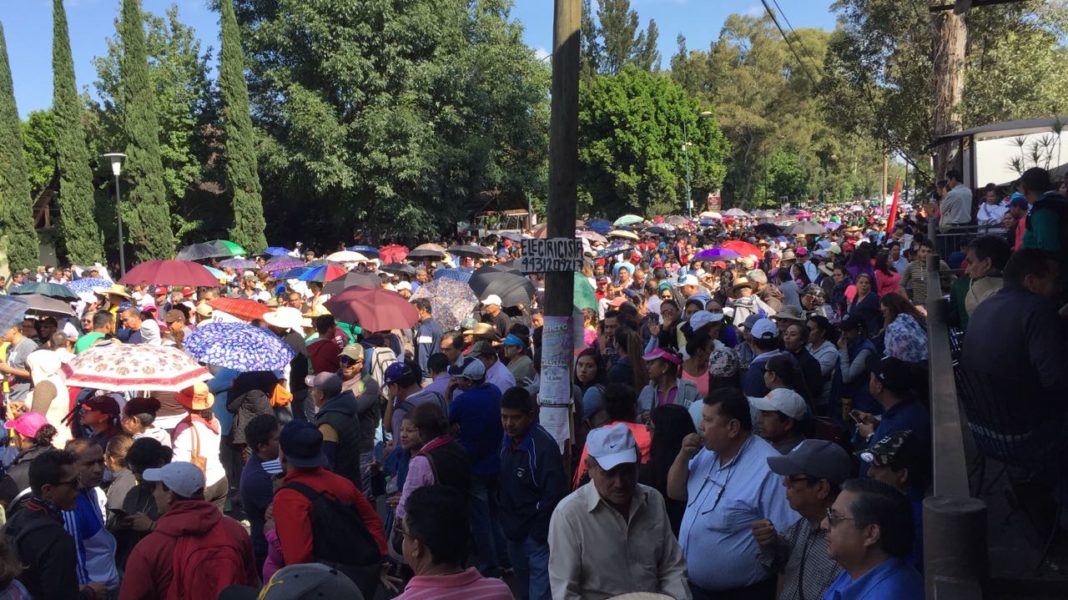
point(468, 585)
point(886, 284)
point(701, 381)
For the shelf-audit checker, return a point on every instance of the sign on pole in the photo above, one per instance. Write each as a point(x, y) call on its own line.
point(555, 255)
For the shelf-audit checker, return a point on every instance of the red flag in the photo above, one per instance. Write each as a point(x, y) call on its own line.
point(893, 208)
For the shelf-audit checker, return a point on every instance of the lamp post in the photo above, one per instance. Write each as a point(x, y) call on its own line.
point(116, 158)
point(686, 158)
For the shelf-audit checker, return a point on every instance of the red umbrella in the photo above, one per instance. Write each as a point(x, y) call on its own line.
point(743, 248)
point(170, 272)
point(392, 253)
point(374, 309)
point(246, 310)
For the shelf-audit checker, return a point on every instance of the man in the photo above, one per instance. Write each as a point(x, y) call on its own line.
point(337, 421)
point(36, 531)
point(496, 373)
point(689, 286)
point(475, 415)
point(257, 477)
point(494, 315)
point(813, 473)
point(902, 462)
point(296, 518)
point(193, 551)
point(141, 331)
point(531, 483)
point(428, 333)
point(286, 323)
point(764, 339)
point(869, 534)
point(176, 321)
point(85, 521)
point(402, 387)
point(956, 207)
point(1047, 221)
point(891, 383)
point(520, 365)
point(435, 529)
point(612, 535)
point(324, 352)
point(811, 271)
point(295, 300)
point(13, 367)
point(1015, 220)
point(452, 346)
point(782, 413)
point(722, 475)
point(991, 212)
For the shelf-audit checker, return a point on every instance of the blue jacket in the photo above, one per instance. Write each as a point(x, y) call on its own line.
point(531, 484)
point(892, 579)
point(478, 414)
point(427, 341)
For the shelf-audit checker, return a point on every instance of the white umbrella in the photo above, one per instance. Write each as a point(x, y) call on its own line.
point(736, 212)
point(711, 214)
point(347, 256)
point(627, 235)
point(134, 367)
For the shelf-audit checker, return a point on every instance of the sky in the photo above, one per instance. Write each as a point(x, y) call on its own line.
point(28, 29)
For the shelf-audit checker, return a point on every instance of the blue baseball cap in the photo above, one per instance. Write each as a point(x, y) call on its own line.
point(513, 340)
point(301, 444)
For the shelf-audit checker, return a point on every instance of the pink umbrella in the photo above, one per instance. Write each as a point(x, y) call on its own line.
point(134, 367)
point(374, 309)
point(392, 253)
point(170, 272)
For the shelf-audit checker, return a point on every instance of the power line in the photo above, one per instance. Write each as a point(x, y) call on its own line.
point(789, 43)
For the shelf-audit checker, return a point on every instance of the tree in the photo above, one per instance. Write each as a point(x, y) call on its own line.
point(80, 238)
point(242, 174)
point(632, 129)
point(787, 176)
point(39, 148)
point(16, 209)
point(149, 217)
point(614, 40)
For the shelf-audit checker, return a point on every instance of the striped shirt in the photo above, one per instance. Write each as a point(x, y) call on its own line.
point(800, 554)
point(467, 585)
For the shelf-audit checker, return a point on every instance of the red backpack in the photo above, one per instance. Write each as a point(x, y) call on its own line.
point(205, 566)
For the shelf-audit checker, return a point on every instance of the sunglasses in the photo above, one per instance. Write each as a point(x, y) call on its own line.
point(349, 361)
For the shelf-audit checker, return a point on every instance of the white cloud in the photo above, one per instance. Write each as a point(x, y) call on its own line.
point(541, 53)
point(755, 10)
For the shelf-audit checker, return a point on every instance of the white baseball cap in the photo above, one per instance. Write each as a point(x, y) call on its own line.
point(612, 446)
point(492, 299)
point(182, 478)
point(784, 400)
point(688, 280)
point(704, 317)
point(764, 329)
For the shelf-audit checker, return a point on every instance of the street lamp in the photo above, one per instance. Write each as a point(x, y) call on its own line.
point(116, 158)
point(686, 156)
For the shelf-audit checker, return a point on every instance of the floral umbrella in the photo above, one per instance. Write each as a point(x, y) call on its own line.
point(451, 301)
point(238, 346)
point(239, 263)
point(134, 368)
point(454, 274)
point(88, 284)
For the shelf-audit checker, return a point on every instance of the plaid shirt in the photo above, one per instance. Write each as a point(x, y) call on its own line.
point(800, 554)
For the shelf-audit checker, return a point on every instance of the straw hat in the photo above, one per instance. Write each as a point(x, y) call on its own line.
point(196, 397)
point(284, 317)
point(118, 290)
point(482, 330)
point(741, 282)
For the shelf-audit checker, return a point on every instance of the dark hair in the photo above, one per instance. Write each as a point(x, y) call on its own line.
point(422, 304)
point(1036, 180)
point(1028, 261)
point(101, 319)
point(732, 404)
point(696, 341)
point(147, 453)
point(118, 447)
point(994, 247)
point(861, 257)
point(456, 340)
point(437, 363)
point(10, 565)
point(44, 436)
point(324, 323)
point(620, 403)
point(517, 398)
point(882, 263)
point(899, 304)
point(430, 420)
point(879, 504)
point(47, 468)
point(953, 174)
point(802, 329)
point(259, 429)
point(598, 361)
point(671, 423)
point(436, 515)
point(412, 375)
point(786, 368)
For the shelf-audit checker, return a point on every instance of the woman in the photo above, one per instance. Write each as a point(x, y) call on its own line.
point(50, 395)
point(589, 328)
point(824, 351)
point(196, 439)
point(630, 368)
point(695, 368)
point(855, 355)
point(724, 369)
point(782, 372)
point(32, 435)
point(664, 334)
point(439, 460)
point(122, 478)
point(859, 262)
point(904, 329)
point(587, 390)
point(138, 505)
point(795, 341)
point(887, 279)
point(668, 425)
point(865, 304)
point(842, 293)
point(665, 387)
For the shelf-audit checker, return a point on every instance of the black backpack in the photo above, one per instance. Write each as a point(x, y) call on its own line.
point(340, 539)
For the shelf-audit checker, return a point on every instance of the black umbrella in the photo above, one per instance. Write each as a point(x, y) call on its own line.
point(470, 251)
point(514, 289)
point(199, 252)
point(399, 269)
point(768, 229)
point(353, 279)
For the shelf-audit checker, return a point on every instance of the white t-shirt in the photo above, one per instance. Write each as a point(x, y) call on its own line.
point(148, 334)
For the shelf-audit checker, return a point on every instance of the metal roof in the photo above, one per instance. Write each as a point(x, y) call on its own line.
point(1004, 129)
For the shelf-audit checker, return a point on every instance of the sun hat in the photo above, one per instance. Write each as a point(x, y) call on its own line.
point(27, 424)
point(284, 317)
point(612, 446)
point(662, 354)
point(789, 313)
point(118, 290)
point(482, 330)
point(196, 397)
point(741, 282)
point(182, 478)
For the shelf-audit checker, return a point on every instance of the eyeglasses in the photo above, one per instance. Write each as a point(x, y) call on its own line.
point(833, 520)
point(349, 361)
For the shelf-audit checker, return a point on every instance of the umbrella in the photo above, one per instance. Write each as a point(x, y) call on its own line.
point(198, 252)
point(805, 228)
point(716, 254)
point(711, 214)
point(43, 305)
point(281, 264)
point(246, 310)
point(12, 312)
point(370, 251)
point(678, 221)
point(216, 273)
point(661, 230)
point(736, 212)
point(354, 279)
point(593, 236)
point(52, 290)
point(347, 256)
point(451, 301)
point(170, 272)
point(768, 229)
point(275, 251)
point(515, 236)
point(88, 284)
point(238, 346)
point(432, 251)
point(832, 225)
point(585, 295)
point(392, 253)
point(239, 263)
point(514, 289)
point(627, 235)
point(470, 251)
point(134, 368)
point(322, 273)
point(399, 269)
point(374, 309)
point(227, 248)
point(294, 273)
point(454, 274)
point(627, 220)
point(601, 226)
point(743, 248)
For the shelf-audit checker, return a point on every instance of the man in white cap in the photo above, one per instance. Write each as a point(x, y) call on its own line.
point(494, 315)
point(780, 415)
point(612, 535)
point(689, 285)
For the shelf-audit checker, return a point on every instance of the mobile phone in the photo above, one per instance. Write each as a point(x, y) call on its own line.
point(118, 513)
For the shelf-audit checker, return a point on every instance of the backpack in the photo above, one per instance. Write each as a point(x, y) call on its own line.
point(205, 566)
point(340, 539)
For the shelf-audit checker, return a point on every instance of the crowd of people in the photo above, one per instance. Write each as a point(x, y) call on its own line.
point(749, 419)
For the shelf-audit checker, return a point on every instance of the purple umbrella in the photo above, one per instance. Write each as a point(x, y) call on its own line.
point(281, 264)
point(716, 254)
point(832, 226)
point(239, 263)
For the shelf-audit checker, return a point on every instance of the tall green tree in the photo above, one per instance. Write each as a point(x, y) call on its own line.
point(80, 237)
point(149, 217)
point(242, 174)
point(16, 208)
point(39, 148)
point(615, 39)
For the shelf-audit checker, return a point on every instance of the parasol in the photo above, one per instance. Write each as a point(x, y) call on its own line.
point(246, 310)
point(470, 251)
point(353, 279)
point(275, 251)
point(12, 312)
point(805, 228)
point(88, 284)
point(735, 212)
point(716, 254)
point(52, 290)
point(392, 253)
point(238, 346)
point(239, 263)
point(399, 269)
point(170, 272)
point(134, 367)
point(743, 248)
point(431, 251)
point(626, 220)
point(373, 309)
point(37, 304)
point(451, 301)
point(514, 289)
point(323, 273)
point(370, 251)
point(626, 235)
point(454, 274)
point(347, 256)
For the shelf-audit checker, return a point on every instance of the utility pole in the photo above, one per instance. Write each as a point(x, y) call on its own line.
point(947, 58)
point(886, 174)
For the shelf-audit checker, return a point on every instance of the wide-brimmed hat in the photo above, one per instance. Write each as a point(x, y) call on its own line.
point(789, 313)
point(196, 397)
point(827, 269)
point(284, 317)
point(482, 330)
point(118, 290)
point(741, 282)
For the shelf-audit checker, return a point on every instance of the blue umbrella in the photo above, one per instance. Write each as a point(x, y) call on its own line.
point(276, 251)
point(601, 226)
point(455, 274)
point(52, 290)
point(368, 251)
point(295, 273)
point(12, 312)
point(238, 346)
point(88, 284)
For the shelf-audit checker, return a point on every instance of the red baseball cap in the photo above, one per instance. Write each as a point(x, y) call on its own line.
point(187, 291)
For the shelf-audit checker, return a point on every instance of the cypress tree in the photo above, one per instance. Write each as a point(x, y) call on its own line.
point(79, 234)
point(242, 175)
point(147, 214)
point(16, 206)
